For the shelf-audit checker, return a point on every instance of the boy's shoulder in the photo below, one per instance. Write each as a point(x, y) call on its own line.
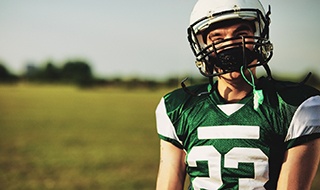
point(292, 93)
point(179, 97)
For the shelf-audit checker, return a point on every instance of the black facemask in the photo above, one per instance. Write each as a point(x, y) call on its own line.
point(232, 59)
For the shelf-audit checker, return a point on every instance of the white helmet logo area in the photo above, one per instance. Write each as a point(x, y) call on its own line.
point(229, 58)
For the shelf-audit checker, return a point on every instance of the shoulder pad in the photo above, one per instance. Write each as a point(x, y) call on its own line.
point(179, 97)
point(291, 92)
point(295, 93)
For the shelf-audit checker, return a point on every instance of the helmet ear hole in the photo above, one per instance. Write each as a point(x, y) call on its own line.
point(202, 66)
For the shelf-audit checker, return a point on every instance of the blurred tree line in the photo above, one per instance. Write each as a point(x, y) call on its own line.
point(72, 72)
point(79, 73)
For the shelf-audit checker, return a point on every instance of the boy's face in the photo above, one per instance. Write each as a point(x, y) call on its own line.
point(231, 30)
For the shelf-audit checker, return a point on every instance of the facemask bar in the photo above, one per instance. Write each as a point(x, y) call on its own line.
point(262, 52)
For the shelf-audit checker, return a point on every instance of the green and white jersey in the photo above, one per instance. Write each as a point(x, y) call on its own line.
point(235, 145)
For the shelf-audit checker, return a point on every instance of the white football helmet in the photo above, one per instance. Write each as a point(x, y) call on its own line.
point(209, 57)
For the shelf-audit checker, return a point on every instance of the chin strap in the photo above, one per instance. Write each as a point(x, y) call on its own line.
point(257, 94)
point(186, 89)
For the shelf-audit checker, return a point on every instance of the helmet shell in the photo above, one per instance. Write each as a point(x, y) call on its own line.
point(212, 8)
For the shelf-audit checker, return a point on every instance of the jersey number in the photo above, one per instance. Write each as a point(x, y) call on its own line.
point(231, 159)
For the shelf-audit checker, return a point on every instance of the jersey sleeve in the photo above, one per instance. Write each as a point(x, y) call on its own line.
point(165, 128)
point(305, 124)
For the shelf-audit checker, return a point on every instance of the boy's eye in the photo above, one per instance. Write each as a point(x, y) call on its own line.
point(215, 39)
point(243, 33)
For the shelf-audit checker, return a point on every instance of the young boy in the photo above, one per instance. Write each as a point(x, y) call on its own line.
point(237, 132)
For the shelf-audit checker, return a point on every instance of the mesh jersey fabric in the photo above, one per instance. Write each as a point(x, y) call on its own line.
point(234, 146)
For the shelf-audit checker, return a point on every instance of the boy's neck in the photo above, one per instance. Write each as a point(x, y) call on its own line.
point(233, 91)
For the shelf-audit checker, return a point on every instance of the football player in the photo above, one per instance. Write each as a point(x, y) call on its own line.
point(237, 131)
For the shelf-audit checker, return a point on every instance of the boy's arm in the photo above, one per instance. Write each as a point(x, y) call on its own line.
point(300, 166)
point(172, 168)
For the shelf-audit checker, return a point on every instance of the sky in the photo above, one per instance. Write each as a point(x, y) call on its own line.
point(145, 38)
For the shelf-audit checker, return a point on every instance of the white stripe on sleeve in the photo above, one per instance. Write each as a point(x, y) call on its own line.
point(306, 119)
point(164, 124)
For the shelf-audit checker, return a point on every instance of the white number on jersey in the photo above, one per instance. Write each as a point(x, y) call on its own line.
point(231, 159)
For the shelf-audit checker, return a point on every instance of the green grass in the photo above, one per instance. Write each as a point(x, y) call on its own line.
point(60, 137)
point(67, 138)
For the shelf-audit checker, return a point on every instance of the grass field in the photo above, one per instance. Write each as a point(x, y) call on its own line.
point(60, 137)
